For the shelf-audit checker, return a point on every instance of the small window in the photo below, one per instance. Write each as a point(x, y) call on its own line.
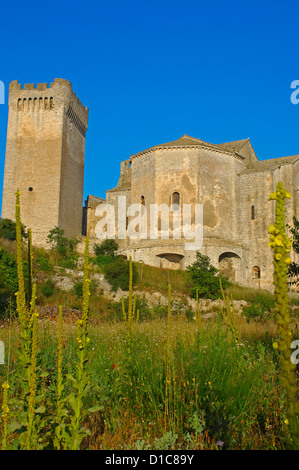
point(256, 272)
point(175, 201)
point(30, 189)
point(142, 200)
point(252, 213)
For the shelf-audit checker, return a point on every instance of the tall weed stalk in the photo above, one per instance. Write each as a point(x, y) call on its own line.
point(281, 246)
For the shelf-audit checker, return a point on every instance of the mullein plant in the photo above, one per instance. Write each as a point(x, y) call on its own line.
point(169, 401)
point(129, 316)
point(281, 246)
point(229, 315)
point(198, 313)
point(31, 423)
point(30, 265)
point(81, 381)
point(5, 415)
point(61, 412)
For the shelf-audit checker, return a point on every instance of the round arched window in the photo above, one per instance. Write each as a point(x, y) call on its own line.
point(175, 201)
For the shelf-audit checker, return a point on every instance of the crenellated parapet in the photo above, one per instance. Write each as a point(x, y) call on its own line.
point(43, 97)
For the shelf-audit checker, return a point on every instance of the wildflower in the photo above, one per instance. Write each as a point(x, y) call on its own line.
point(114, 365)
point(219, 443)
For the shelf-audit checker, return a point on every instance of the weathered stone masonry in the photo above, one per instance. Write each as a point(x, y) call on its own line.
point(45, 160)
point(45, 157)
point(234, 188)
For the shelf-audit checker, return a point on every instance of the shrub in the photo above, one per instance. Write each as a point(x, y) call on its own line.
point(206, 278)
point(8, 229)
point(64, 247)
point(69, 262)
point(48, 288)
point(78, 287)
point(100, 260)
point(8, 279)
point(117, 273)
point(44, 264)
point(107, 248)
point(254, 312)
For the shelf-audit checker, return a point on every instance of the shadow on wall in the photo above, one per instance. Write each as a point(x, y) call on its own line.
point(171, 261)
point(230, 265)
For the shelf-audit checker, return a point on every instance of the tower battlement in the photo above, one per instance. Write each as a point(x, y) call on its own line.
point(29, 96)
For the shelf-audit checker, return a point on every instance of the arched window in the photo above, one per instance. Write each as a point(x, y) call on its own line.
point(175, 201)
point(142, 200)
point(256, 272)
point(252, 213)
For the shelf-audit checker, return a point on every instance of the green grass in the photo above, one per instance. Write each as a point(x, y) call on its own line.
point(217, 390)
point(151, 279)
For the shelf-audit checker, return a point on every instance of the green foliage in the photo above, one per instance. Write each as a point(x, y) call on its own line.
point(261, 307)
point(205, 278)
point(48, 288)
point(117, 273)
point(78, 287)
point(108, 248)
point(145, 312)
point(281, 245)
point(293, 269)
point(8, 280)
point(8, 229)
point(64, 247)
point(100, 260)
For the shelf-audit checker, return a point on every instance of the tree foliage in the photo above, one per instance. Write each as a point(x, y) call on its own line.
point(108, 248)
point(206, 278)
point(293, 271)
point(8, 229)
point(117, 273)
point(64, 247)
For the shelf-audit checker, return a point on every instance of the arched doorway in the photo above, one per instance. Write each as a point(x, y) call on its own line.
point(171, 260)
point(230, 265)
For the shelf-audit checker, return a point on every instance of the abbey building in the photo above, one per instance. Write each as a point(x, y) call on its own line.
point(45, 160)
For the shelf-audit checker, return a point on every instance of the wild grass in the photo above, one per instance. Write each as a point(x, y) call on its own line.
point(167, 383)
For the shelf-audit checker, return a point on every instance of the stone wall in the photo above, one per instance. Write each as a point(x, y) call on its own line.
point(45, 157)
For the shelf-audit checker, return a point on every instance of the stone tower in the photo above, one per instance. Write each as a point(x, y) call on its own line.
point(45, 157)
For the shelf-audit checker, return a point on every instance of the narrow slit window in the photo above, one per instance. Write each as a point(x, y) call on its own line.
point(252, 213)
point(256, 272)
point(175, 201)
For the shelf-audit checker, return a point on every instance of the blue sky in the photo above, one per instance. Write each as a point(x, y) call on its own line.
point(152, 71)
